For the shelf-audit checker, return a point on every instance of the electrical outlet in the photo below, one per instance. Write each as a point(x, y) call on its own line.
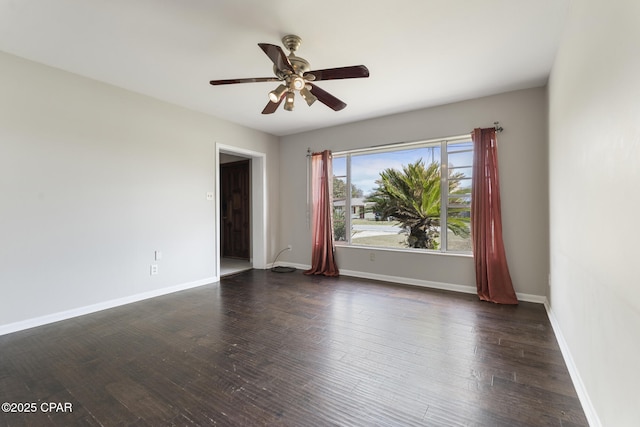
point(154, 269)
point(289, 247)
point(158, 255)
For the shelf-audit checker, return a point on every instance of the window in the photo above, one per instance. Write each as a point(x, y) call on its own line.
point(403, 196)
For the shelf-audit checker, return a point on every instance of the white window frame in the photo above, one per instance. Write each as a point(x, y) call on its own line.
point(444, 189)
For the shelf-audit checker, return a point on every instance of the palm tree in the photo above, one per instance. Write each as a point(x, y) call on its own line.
point(412, 197)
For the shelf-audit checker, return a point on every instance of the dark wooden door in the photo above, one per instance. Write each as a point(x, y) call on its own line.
point(235, 215)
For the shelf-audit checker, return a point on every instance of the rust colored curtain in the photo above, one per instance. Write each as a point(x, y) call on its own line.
point(492, 273)
point(322, 252)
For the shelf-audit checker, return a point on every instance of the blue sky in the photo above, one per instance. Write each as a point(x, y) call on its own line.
point(366, 168)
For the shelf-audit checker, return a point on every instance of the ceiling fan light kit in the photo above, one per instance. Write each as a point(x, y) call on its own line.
point(307, 95)
point(277, 94)
point(288, 104)
point(295, 75)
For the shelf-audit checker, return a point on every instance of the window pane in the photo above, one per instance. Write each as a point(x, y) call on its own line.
point(388, 234)
point(460, 172)
point(339, 178)
point(366, 168)
point(397, 186)
point(459, 230)
point(455, 200)
point(460, 146)
point(460, 168)
point(460, 155)
point(339, 226)
point(339, 199)
point(395, 197)
point(339, 166)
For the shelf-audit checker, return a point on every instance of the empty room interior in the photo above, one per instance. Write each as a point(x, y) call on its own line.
point(157, 164)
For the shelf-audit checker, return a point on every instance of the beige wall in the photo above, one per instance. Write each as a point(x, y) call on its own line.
point(93, 180)
point(594, 157)
point(523, 163)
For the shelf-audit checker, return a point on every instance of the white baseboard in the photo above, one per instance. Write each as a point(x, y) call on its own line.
point(424, 283)
point(410, 281)
point(583, 396)
point(538, 299)
point(80, 311)
point(291, 264)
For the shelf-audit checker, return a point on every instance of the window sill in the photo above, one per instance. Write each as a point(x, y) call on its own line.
point(407, 251)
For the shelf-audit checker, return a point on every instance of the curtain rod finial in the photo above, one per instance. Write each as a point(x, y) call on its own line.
point(497, 126)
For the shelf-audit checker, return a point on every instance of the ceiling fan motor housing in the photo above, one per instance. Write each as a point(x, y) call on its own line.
point(300, 65)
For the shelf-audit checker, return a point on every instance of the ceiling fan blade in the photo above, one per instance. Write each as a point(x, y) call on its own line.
point(251, 80)
point(353, 72)
point(272, 107)
point(277, 56)
point(326, 98)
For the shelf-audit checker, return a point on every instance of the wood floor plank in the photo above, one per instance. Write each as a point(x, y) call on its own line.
point(261, 348)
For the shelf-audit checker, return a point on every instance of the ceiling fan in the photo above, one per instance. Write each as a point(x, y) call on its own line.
point(294, 75)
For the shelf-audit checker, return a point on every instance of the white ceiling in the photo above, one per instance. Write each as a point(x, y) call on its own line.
point(420, 53)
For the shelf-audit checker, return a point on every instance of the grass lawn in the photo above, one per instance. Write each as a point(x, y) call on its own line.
point(371, 222)
point(456, 244)
point(394, 240)
point(385, 240)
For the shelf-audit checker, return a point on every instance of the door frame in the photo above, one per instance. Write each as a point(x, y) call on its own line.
point(258, 253)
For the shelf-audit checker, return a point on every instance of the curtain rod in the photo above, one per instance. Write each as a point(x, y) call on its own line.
point(496, 126)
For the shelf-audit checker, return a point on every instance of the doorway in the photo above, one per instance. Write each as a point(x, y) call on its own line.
point(251, 252)
point(235, 215)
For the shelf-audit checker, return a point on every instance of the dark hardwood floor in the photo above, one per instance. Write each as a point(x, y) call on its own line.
point(262, 348)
